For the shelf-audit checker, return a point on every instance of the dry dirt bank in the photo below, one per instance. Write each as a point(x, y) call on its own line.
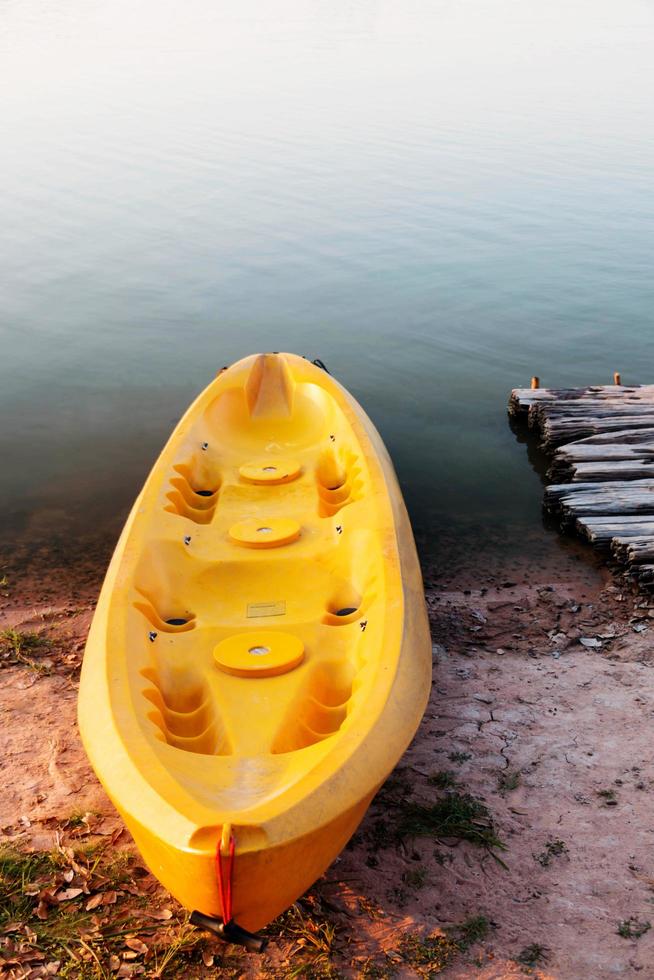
point(535, 744)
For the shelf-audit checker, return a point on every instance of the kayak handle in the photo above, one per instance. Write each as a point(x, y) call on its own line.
point(230, 932)
point(320, 364)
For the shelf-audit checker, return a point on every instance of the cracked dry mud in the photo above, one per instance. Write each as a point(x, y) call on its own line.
point(552, 734)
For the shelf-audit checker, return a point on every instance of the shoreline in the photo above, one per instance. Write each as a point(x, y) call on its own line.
point(547, 734)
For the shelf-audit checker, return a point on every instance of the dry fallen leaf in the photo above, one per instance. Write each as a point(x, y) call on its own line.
point(207, 957)
point(137, 945)
point(161, 914)
point(32, 956)
point(47, 895)
point(109, 898)
point(105, 828)
point(68, 893)
point(94, 901)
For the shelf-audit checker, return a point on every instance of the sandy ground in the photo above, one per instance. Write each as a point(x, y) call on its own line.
point(552, 734)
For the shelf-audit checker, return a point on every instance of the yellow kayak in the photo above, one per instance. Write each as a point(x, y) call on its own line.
point(259, 658)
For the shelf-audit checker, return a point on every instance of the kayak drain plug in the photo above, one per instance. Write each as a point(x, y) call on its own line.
point(230, 932)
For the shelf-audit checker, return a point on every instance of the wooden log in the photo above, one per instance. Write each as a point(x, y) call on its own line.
point(585, 452)
point(605, 470)
point(556, 490)
point(599, 448)
point(601, 439)
point(625, 437)
point(581, 391)
point(539, 416)
point(601, 531)
point(633, 551)
point(563, 469)
point(554, 433)
point(624, 521)
point(521, 399)
point(572, 501)
point(572, 507)
point(645, 575)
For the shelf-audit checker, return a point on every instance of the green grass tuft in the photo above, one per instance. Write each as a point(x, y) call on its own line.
point(428, 955)
point(42, 921)
point(415, 877)
point(314, 939)
point(18, 647)
point(444, 779)
point(633, 928)
point(553, 848)
point(508, 781)
point(532, 955)
point(472, 931)
point(457, 815)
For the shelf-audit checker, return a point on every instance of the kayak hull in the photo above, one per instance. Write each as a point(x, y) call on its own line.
point(266, 881)
point(273, 696)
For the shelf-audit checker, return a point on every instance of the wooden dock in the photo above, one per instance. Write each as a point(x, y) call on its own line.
point(600, 440)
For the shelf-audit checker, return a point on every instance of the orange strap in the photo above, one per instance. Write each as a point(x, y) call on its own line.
point(225, 888)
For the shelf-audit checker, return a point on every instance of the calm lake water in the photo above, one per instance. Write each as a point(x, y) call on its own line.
point(439, 199)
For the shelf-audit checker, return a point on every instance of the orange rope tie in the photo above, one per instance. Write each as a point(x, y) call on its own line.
point(225, 891)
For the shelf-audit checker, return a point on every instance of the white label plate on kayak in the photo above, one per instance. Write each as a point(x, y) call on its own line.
point(257, 609)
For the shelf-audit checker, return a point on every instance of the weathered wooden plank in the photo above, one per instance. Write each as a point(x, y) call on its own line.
point(603, 492)
point(557, 490)
point(521, 399)
point(553, 433)
point(580, 453)
point(605, 470)
point(601, 438)
point(606, 528)
point(619, 498)
point(624, 521)
point(637, 550)
point(622, 437)
point(599, 448)
point(601, 535)
point(637, 542)
point(591, 404)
